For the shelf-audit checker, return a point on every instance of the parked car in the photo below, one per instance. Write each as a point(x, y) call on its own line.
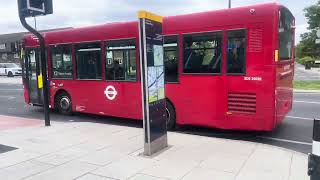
point(316, 63)
point(10, 69)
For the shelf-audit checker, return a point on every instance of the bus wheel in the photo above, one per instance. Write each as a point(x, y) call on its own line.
point(63, 103)
point(171, 116)
point(10, 74)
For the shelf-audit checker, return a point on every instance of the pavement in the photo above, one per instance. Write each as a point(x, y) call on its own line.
point(92, 151)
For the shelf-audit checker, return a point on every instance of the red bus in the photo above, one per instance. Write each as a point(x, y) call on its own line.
point(229, 69)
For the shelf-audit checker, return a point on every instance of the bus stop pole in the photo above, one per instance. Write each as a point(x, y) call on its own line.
point(314, 157)
point(43, 66)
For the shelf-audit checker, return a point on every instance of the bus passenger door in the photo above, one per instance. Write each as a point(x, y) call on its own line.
point(32, 71)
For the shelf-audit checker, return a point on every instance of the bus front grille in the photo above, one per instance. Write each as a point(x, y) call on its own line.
point(242, 102)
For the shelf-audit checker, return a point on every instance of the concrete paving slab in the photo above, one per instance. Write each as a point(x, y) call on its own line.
point(15, 157)
point(145, 177)
point(170, 169)
point(299, 166)
point(90, 176)
point(70, 170)
point(63, 156)
point(269, 161)
point(102, 157)
point(261, 175)
point(208, 174)
point(125, 168)
point(225, 162)
point(23, 170)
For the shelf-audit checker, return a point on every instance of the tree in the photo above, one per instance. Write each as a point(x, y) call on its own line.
point(312, 14)
point(307, 46)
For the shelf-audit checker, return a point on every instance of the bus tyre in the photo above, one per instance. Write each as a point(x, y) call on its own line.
point(63, 103)
point(10, 74)
point(171, 116)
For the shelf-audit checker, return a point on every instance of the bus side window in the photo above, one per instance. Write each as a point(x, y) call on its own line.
point(61, 58)
point(88, 61)
point(236, 52)
point(202, 53)
point(170, 47)
point(120, 60)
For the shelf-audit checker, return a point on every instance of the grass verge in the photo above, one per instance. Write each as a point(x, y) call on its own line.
point(307, 85)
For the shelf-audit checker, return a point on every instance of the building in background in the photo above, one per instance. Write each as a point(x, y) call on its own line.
point(9, 47)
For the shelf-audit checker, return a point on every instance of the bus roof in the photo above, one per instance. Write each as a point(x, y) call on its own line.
point(172, 25)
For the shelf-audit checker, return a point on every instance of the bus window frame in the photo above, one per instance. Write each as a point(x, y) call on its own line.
point(72, 60)
point(178, 57)
point(75, 59)
point(245, 54)
point(182, 58)
point(280, 60)
point(105, 45)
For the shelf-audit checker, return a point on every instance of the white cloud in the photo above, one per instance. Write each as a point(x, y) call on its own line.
point(73, 13)
point(300, 29)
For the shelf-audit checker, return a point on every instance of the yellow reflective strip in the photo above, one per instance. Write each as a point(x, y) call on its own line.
point(276, 55)
point(21, 53)
point(40, 84)
point(149, 15)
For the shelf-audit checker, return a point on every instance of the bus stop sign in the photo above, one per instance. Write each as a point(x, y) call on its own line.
point(152, 82)
point(31, 8)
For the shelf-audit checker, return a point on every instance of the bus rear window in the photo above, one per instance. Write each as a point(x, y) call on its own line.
point(286, 34)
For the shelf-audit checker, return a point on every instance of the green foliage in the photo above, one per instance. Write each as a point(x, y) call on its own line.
point(307, 45)
point(308, 85)
point(312, 14)
point(306, 59)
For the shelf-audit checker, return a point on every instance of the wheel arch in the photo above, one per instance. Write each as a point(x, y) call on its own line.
point(57, 94)
point(168, 100)
point(174, 108)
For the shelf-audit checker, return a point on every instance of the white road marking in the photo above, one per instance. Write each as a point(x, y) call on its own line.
point(307, 102)
point(11, 89)
point(295, 117)
point(8, 97)
point(286, 140)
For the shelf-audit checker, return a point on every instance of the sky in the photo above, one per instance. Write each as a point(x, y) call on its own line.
point(77, 13)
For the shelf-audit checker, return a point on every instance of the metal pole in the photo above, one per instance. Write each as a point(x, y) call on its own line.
point(229, 4)
point(43, 65)
point(35, 23)
point(314, 157)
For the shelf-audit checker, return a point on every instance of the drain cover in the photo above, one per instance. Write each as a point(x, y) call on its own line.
point(4, 148)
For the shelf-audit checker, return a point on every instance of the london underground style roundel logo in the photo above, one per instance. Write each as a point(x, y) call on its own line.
point(110, 92)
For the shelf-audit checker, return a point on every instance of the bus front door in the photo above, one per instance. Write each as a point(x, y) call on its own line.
point(32, 71)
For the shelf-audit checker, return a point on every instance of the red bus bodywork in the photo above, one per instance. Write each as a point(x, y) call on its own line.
point(202, 100)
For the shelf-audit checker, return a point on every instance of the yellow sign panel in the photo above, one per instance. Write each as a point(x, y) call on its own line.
point(149, 15)
point(276, 55)
point(21, 53)
point(40, 82)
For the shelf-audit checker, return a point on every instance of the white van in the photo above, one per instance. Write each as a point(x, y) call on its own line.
point(10, 69)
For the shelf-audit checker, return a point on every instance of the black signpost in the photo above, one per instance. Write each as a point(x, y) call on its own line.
point(32, 8)
point(152, 82)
